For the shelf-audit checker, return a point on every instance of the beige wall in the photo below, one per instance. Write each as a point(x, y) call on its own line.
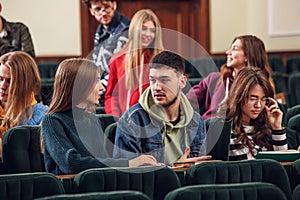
point(236, 17)
point(53, 24)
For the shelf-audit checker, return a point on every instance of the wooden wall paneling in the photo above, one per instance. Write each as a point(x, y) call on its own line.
point(88, 29)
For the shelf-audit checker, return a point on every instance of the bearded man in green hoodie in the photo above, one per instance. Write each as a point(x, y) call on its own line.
point(163, 123)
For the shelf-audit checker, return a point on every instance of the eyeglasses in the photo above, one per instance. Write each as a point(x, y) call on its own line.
point(101, 10)
point(254, 100)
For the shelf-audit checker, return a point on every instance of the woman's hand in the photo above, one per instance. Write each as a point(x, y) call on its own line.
point(184, 157)
point(274, 114)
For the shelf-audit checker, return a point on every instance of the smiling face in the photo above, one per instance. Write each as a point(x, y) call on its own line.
point(166, 85)
point(235, 55)
point(254, 105)
point(5, 77)
point(148, 33)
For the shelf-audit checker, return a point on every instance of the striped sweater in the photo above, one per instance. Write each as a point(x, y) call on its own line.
point(278, 140)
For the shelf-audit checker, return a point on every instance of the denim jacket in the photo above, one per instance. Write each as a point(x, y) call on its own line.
point(142, 132)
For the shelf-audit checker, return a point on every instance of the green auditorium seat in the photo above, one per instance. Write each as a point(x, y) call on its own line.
point(155, 182)
point(294, 123)
point(217, 140)
point(296, 193)
point(276, 64)
point(202, 66)
point(21, 150)
point(109, 139)
point(115, 195)
point(228, 172)
point(295, 110)
point(280, 82)
point(100, 110)
point(106, 120)
point(294, 92)
point(27, 186)
point(219, 61)
point(240, 191)
point(293, 64)
point(47, 72)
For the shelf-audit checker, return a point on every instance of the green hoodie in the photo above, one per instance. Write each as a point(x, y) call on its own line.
point(173, 150)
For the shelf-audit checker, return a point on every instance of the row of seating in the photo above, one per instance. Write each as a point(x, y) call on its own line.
point(21, 150)
point(200, 67)
point(21, 145)
point(197, 68)
point(251, 179)
point(292, 64)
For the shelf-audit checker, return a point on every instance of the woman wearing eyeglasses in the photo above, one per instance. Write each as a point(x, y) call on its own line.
point(129, 68)
point(253, 116)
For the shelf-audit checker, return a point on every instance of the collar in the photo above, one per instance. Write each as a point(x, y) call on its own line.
point(3, 33)
point(6, 27)
point(113, 24)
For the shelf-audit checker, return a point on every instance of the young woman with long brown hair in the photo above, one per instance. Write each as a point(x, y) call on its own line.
point(72, 134)
point(245, 50)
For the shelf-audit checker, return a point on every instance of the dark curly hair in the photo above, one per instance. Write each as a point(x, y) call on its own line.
point(88, 2)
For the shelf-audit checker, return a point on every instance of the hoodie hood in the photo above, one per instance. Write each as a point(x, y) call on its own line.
point(155, 111)
point(175, 136)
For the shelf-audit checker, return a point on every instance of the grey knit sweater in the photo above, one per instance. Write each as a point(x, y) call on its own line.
point(73, 141)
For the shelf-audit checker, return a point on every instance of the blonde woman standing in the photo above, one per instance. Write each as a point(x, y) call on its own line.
point(129, 69)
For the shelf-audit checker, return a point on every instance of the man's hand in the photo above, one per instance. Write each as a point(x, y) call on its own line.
point(184, 157)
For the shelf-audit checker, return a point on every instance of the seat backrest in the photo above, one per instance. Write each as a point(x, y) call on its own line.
point(292, 111)
point(263, 170)
point(202, 66)
point(241, 191)
point(219, 61)
point(294, 123)
point(109, 139)
point(280, 82)
point(276, 64)
point(293, 138)
point(115, 195)
point(106, 120)
point(294, 92)
point(21, 151)
point(47, 69)
point(296, 193)
point(155, 182)
point(295, 179)
point(293, 64)
point(217, 138)
point(25, 186)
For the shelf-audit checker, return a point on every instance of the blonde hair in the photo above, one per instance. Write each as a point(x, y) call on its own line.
point(25, 82)
point(134, 50)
